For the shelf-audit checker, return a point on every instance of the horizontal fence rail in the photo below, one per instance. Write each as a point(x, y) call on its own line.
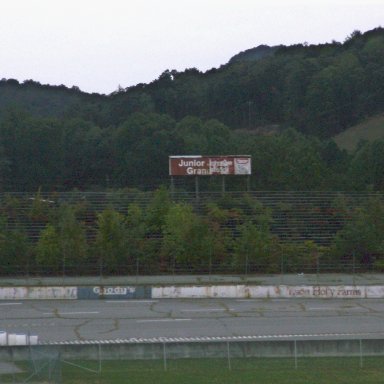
point(137, 269)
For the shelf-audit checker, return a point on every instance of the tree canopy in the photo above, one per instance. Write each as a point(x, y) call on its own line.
point(281, 105)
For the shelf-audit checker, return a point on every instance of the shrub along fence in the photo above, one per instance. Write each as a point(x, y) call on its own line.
point(134, 233)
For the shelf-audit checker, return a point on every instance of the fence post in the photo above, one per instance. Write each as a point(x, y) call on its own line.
point(99, 358)
point(295, 351)
point(164, 357)
point(173, 268)
point(28, 273)
point(282, 267)
point(63, 269)
point(13, 363)
point(361, 353)
point(246, 263)
point(210, 266)
point(137, 269)
point(317, 266)
point(229, 356)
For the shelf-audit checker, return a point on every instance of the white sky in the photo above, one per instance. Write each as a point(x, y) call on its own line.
point(98, 45)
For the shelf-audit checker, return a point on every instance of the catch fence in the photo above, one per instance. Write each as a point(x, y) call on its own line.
point(296, 216)
point(301, 230)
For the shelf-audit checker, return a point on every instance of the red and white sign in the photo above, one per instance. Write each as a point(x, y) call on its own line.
point(209, 165)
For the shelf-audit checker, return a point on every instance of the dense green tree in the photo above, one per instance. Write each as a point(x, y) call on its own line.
point(203, 138)
point(14, 250)
point(84, 153)
point(72, 237)
point(186, 238)
point(156, 211)
point(366, 167)
point(297, 81)
point(48, 249)
point(289, 161)
point(137, 242)
point(190, 91)
point(333, 96)
point(33, 147)
point(256, 249)
point(219, 235)
point(62, 243)
point(123, 104)
point(143, 144)
point(111, 241)
point(372, 58)
point(361, 240)
point(4, 167)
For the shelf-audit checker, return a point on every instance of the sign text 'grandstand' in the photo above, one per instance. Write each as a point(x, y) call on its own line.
point(209, 165)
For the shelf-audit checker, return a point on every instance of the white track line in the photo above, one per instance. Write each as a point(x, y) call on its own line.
point(70, 313)
point(132, 301)
point(160, 320)
point(204, 310)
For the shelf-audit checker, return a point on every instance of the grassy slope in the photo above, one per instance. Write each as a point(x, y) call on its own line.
point(371, 129)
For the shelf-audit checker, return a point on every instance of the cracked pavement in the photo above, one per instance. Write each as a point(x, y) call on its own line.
point(103, 319)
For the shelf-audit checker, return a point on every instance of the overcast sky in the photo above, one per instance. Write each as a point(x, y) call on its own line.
point(98, 45)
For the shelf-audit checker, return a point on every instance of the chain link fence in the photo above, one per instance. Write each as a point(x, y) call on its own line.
point(50, 363)
point(135, 270)
point(31, 365)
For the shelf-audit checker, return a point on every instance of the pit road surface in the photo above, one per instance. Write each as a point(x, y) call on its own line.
point(55, 321)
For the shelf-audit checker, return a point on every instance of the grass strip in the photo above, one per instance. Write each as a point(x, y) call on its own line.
point(210, 371)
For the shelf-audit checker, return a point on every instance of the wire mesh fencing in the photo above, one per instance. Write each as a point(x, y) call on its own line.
point(137, 268)
point(39, 238)
point(95, 360)
point(32, 365)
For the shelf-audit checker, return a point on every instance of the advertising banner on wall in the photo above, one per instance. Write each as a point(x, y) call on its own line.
point(209, 165)
point(114, 292)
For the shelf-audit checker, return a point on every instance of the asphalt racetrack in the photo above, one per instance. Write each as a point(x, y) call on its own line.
point(55, 321)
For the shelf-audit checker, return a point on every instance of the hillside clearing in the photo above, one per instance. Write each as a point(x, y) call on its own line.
point(370, 130)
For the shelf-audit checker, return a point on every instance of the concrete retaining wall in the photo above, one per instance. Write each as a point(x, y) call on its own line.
point(203, 291)
point(271, 291)
point(37, 293)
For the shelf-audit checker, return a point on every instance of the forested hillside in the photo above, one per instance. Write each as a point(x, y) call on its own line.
point(282, 105)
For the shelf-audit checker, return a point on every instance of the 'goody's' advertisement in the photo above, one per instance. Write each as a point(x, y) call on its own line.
point(113, 292)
